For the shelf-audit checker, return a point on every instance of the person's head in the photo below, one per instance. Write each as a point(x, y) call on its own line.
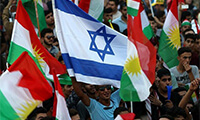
point(49, 17)
point(184, 55)
point(161, 16)
point(185, 25)
point(74, 114)
point(112, 4)
point(189, 40)
point(107, 15)
point(153, 23)
point(48, 105)
point(164, 79)
point(181, 91)
point(89, 89)
point(188, 2)
point(120, 110)
point(103, 92)
point(38, 113)
point(177, 113)
point(123, 10)
point(47, 36)
point(188, 31)
point(197, 42)
point(186, 15)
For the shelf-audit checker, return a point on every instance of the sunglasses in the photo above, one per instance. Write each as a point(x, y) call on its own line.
point(108, 87)
point(49, 37)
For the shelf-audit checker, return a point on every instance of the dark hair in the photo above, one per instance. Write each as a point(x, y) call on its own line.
point(48, 118)
point(108, 10)
point(122, 4)
point(167, 116)
point(191, 36)
point(46, 30)
point(151, 18)
point(198, 36)
point(184, 15)
point(160, 14)
point(163, 72)
point(73, 112)
point(47, 104)
point(187, 31)
point(179, 89)
point(119, 110)
point(46, 12)
point(176, 112)
point(116, 2)
point(183, 49)
point(36, 111)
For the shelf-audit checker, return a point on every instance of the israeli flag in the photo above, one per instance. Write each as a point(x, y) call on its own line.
point(93, 52)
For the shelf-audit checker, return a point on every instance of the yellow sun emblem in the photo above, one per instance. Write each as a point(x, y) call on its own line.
point(132, 66)
point(38, 56)
point(27, 108)
point(174, 37)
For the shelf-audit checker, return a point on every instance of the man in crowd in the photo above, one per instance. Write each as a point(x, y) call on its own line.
point(114, 5)
point(122, 20)
point(184, 72)
point(47, 38)
point(104, 107)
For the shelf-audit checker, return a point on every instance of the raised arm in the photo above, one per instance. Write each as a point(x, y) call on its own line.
point(77, 88)
point(193, 86)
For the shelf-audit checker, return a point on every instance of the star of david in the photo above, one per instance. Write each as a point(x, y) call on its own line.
point(106, 37)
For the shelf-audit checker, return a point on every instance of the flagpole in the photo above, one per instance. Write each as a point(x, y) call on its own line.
point(37, 18)
point(151, 8)
point(131, 106)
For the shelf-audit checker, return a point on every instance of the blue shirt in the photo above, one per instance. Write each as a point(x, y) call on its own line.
point(122, 25)
point(97, 111)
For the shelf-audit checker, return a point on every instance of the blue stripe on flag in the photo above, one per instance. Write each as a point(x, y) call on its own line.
point(94, 69)
point(69, 7)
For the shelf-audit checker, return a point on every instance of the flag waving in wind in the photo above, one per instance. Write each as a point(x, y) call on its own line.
point(24, 38)
point(93, 52)
point(93, 8)
point(22, 88)
point(60, 110)
point(139, 32)
point(169, 41)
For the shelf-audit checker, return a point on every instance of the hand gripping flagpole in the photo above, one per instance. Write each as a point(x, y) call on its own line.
point(37, 18)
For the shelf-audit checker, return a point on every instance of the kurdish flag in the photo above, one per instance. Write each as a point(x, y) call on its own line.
point(29, 5)
point(96, 53)
point(169, 41)
point(133, 86)
point(22, 88)
point(93, 8)
point(60, 110)
point(24, 38)
point(133, 7)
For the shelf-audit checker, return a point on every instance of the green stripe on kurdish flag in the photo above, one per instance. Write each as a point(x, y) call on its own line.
point(127, 89)
point(133, 7)
point(6, 110)
point(169, 41)
point(29, 5)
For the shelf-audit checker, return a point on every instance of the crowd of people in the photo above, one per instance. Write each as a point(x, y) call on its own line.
point(102, 102)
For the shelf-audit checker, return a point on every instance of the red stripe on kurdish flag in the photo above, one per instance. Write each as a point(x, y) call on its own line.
point(84, 5)
point(32, 77)
point(23, 18)
point(146, 51)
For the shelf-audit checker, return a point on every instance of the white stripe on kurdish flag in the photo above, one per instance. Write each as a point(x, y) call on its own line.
point(96, 8)
point(97, 80)
point(82, 35)
point(170, 21)
point(144, 19)
point(133, 4)
point(61, 110)
point(21, 37)
point(21, 95)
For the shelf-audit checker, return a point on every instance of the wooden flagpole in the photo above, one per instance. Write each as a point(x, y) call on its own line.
point(37, 18)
